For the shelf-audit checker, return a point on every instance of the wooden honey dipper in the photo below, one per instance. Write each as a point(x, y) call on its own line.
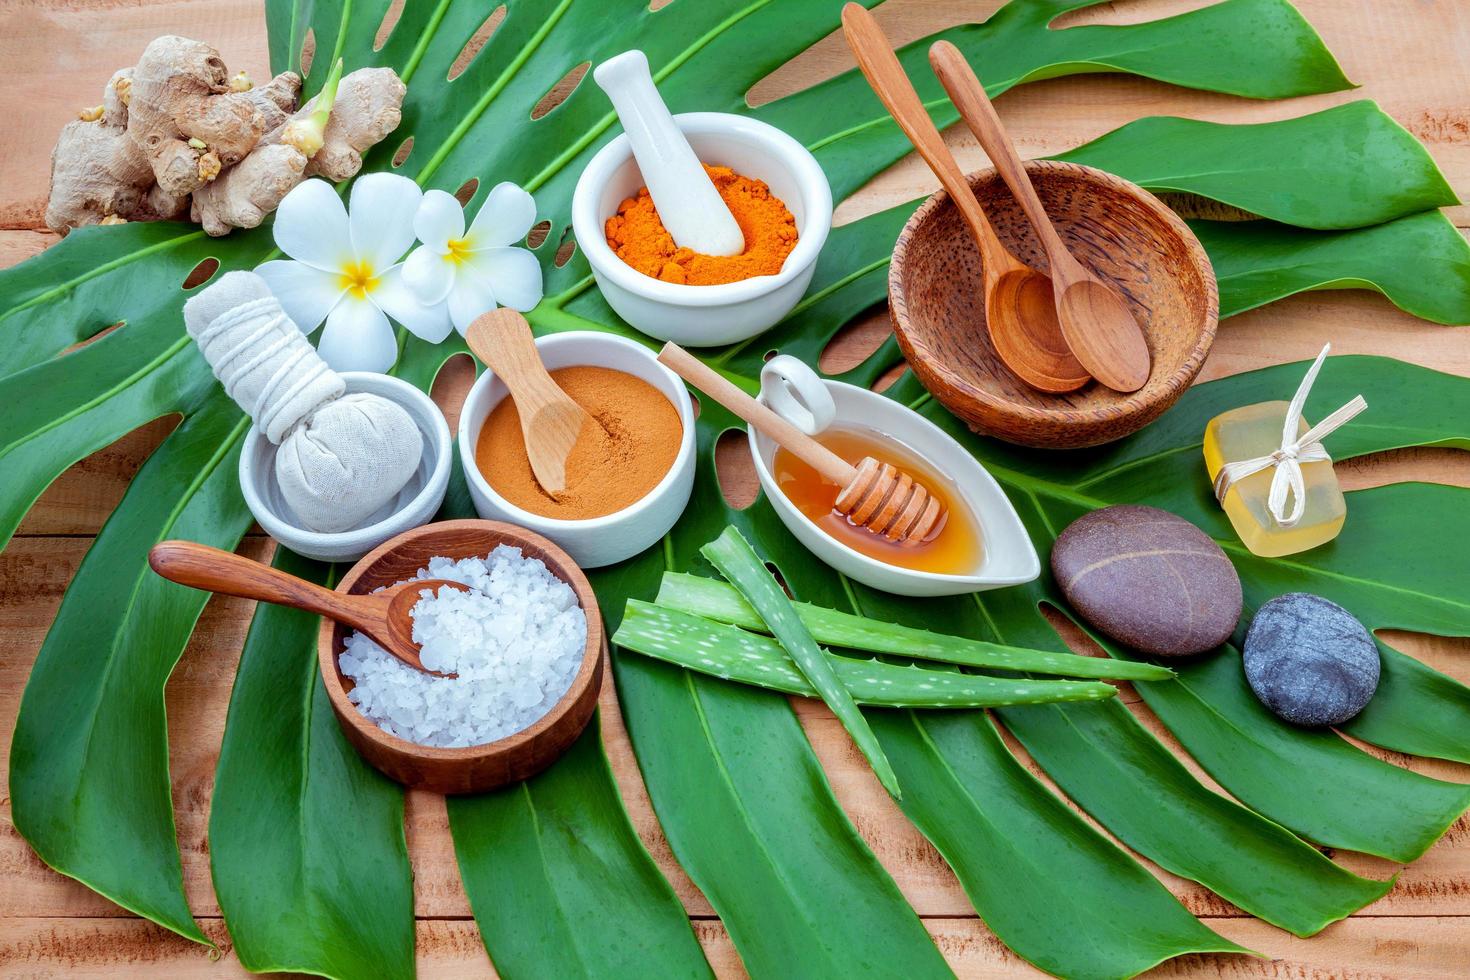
point(874, 495)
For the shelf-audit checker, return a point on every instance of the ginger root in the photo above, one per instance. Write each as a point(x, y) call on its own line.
point(181, 108)
point(366, 111)
point(98, 172)
point(179, 134)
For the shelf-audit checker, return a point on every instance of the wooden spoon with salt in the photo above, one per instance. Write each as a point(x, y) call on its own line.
point(550, 419)
point(383, 616)
point(874, 495)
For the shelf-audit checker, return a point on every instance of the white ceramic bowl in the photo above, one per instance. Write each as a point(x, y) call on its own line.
point(596, 541)
point(415, 504)
point(1009, 557)
point(707, 316)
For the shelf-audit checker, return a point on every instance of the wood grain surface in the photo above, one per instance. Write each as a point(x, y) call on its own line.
point(55, 55)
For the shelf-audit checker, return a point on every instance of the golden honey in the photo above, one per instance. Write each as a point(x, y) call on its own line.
point(1255, 430)
point(954, 548)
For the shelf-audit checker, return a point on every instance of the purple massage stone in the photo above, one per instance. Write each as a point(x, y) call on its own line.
point(1148, 579)
point(1309, 660)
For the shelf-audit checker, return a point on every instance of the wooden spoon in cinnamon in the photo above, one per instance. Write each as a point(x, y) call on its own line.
point(383, 616)
point(550, 419)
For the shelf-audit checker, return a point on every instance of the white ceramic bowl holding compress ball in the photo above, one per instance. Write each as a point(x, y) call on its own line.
point(707, 316)
point(415, 504)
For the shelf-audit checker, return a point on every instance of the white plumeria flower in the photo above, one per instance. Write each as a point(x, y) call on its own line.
point(462, 274)
point(344, 269)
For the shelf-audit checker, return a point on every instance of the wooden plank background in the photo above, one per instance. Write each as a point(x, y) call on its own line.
point(55, 56)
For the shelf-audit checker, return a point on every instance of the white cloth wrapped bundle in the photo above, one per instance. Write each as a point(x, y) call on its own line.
point(341, 458)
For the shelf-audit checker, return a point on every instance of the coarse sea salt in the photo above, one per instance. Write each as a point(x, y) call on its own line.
point(515, 642)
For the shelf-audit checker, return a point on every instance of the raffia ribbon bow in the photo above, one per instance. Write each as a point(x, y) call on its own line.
point(1295, 450)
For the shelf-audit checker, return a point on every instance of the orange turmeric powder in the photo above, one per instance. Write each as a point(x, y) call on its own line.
point(639, 238)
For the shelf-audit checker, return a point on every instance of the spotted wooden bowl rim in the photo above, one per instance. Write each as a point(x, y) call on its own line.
point(1141, 406)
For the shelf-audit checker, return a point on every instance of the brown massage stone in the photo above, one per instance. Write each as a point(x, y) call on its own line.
point(1148, 579)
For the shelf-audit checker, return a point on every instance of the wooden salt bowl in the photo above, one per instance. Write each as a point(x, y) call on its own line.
point(476, 768)
point(1120, 230)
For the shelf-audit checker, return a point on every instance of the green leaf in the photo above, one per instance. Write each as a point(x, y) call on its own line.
point(733, 556)
point(1420, 262)
point(89, 780)
point(1255, 48)
point(795, 885)
point(706, 597)
point(1338, 795)
point(559, 882)
point(1012, 843)
point(734, 654)
point(96, 277)
point(844, 914)
point(298, 819)
point(1416, 709)
point(1184, 827)
point(749, 813)
point(1360, 167)
point(1108, 763)
point(1388, 811)
point(968, 809)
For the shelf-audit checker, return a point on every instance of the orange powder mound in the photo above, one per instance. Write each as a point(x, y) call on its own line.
point(621, 454)
point(638, 237)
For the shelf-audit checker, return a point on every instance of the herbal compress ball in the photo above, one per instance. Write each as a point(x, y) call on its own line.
point(1310, 661)
point(1148, 579)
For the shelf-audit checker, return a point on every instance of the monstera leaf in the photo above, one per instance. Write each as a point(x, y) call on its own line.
point(558, 880)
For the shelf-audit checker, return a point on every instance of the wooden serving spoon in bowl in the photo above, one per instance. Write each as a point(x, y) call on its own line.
point(872, 494)
point(1020, 312)
point(383, 616)
point(1098, 326)
point(550, 419)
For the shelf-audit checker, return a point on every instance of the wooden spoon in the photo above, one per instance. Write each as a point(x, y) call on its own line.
point(382, 616)
point(1019, 310)
point(874, 495)
point(1096, 321)
point(550, 419)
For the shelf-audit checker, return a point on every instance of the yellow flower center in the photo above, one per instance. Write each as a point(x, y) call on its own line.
point(459, 250)
point(358, 278)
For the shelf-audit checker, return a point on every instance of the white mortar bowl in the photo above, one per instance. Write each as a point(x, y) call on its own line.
point(707, 316)
point(596, 541)
point(415, 504)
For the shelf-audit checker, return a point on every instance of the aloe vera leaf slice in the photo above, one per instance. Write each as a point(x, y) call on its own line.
point(715, 600)
point(737, 561)
point(733, 654)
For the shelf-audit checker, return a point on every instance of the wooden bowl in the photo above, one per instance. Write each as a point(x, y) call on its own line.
point(476, 768)
point(1121, 231)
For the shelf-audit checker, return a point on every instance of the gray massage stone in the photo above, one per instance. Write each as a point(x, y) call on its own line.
point(1148, 579)
point(1310, 661)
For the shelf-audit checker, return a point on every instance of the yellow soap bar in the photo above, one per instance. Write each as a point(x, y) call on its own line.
point(1255, 430)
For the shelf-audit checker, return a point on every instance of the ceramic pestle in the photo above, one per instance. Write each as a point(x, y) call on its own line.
point(687, 201)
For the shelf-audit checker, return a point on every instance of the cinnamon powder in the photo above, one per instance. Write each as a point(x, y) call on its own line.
point(622, 452)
